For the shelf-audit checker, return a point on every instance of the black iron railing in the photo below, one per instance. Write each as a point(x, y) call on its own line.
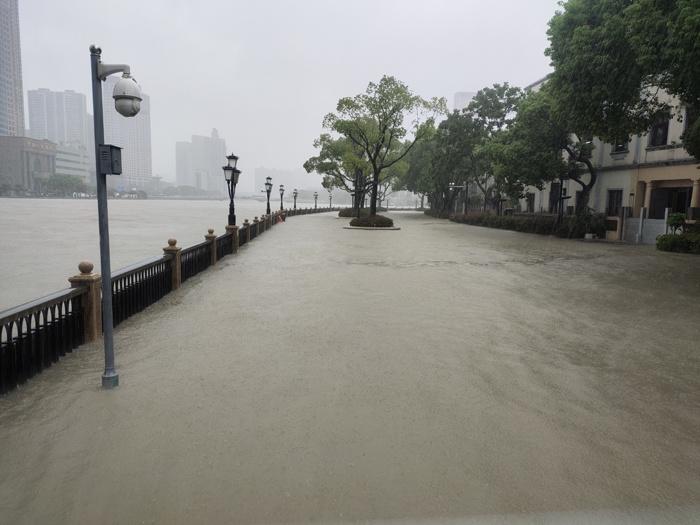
point(243, 235)
point(253, 230)
point(195, 259)
point(36, 334)
point(138, 286)
point(224, 245)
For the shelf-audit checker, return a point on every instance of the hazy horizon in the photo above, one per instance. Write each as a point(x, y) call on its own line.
point(265, 73)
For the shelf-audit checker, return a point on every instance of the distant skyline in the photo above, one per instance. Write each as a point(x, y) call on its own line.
point(265, 73)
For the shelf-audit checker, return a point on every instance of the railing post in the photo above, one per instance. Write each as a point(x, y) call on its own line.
point(91, 299)
point(247, 230)
point(256, 222)
point(263, 222)
point(173, 251)
point(233, 230)
point(212, 240)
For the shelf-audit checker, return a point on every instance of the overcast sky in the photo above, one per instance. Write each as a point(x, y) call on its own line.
point(265, 72)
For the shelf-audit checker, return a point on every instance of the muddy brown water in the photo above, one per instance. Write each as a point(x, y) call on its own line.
point(440, 373)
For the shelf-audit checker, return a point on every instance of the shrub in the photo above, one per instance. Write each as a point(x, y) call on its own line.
point(374, 221)
point(683, 243)
point(676, 221)
point(350, 212)
point(571, 227)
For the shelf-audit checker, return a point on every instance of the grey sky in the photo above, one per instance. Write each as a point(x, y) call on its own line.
point(264, 73)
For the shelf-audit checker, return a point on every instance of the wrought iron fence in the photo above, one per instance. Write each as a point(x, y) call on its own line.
point(36, 334)
point(195, 259)
point(224, 245)
point(243, 235)
point(138, 286)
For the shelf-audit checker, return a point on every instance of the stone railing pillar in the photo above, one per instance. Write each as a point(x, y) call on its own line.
point(212, 240)
point(256, 225)
point(91, 300)
point(247, 230)
point(233, 230)
point(173, 251)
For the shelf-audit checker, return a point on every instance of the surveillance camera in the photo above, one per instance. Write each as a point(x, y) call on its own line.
point(127, 96)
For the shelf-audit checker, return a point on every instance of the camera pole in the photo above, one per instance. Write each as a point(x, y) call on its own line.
point(110, 378)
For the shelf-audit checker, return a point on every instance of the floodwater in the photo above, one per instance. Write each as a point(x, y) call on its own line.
point(440, 373)
point(43, 240)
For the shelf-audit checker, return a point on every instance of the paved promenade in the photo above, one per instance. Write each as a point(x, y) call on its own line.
point(439, 372)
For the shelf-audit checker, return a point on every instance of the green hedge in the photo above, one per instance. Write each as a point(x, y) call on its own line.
point(375, 221)
point(571, 227)
point(688, 242)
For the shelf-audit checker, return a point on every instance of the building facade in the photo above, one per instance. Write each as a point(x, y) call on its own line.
point(198, 163)
point(133, 135)
point(75, 161)
point(649, 176)
point(25, 164)
point(58, 116)
point(11, 93)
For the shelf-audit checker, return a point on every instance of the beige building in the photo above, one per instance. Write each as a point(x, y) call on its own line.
point(650, 174)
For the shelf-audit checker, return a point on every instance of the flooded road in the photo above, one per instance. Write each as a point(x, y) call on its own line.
point(437, 373)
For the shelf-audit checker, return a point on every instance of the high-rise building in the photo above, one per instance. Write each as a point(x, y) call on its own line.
point(75, 161)
point(198, 163)
point(11, 93)
point(462, 99)
point(58, 116)
point(133, 135)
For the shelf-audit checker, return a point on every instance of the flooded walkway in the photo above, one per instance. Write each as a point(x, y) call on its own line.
point(440, 372)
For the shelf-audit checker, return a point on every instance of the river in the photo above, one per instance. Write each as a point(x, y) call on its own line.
point(43, 240)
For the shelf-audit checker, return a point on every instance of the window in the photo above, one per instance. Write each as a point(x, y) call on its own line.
point(658, 135)
point(614, 203)
point(621, 146)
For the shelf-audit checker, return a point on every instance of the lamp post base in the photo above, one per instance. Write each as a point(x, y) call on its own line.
point(231, 219)
point(110, 380)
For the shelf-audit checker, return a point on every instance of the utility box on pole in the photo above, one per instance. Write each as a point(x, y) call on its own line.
point(110, 160)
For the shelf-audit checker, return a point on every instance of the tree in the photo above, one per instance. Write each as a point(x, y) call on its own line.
point(375, 122)
point(492, 111)
point(420, 160)
point(342, 164)
point(598, 88)
point(529, 152)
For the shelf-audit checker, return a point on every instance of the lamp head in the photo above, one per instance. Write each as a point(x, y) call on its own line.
point(268, 184)
point(281, 189)
point(232, 160)
point(228, 173)
point(236, 174)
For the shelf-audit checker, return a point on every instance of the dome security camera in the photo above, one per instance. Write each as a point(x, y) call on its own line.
point(127, 96)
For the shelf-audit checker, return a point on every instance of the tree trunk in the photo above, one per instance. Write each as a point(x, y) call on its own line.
point(375, 189)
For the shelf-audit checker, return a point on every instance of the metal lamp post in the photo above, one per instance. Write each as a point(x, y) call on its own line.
point(127, 96)
point(330, 197)
point(315, 199)
point(281, 197)
point(464, 187)
point(231, 174)
point(294, 194)
point(268, 189)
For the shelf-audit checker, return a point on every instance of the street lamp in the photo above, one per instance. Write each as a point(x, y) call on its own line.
point(231, 174)
point(127, 101)
point(281, 197)
point(268, 189)
point(330, 197)
point(315, 199)
point(294, 194)
point(464, 187)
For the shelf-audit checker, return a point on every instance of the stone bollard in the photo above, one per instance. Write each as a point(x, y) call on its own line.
point(212, 240)
point(174, 253)
point(233, 230)
point(246, 224)
point(263, 222)
point(256, 221)
point(91, 300)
